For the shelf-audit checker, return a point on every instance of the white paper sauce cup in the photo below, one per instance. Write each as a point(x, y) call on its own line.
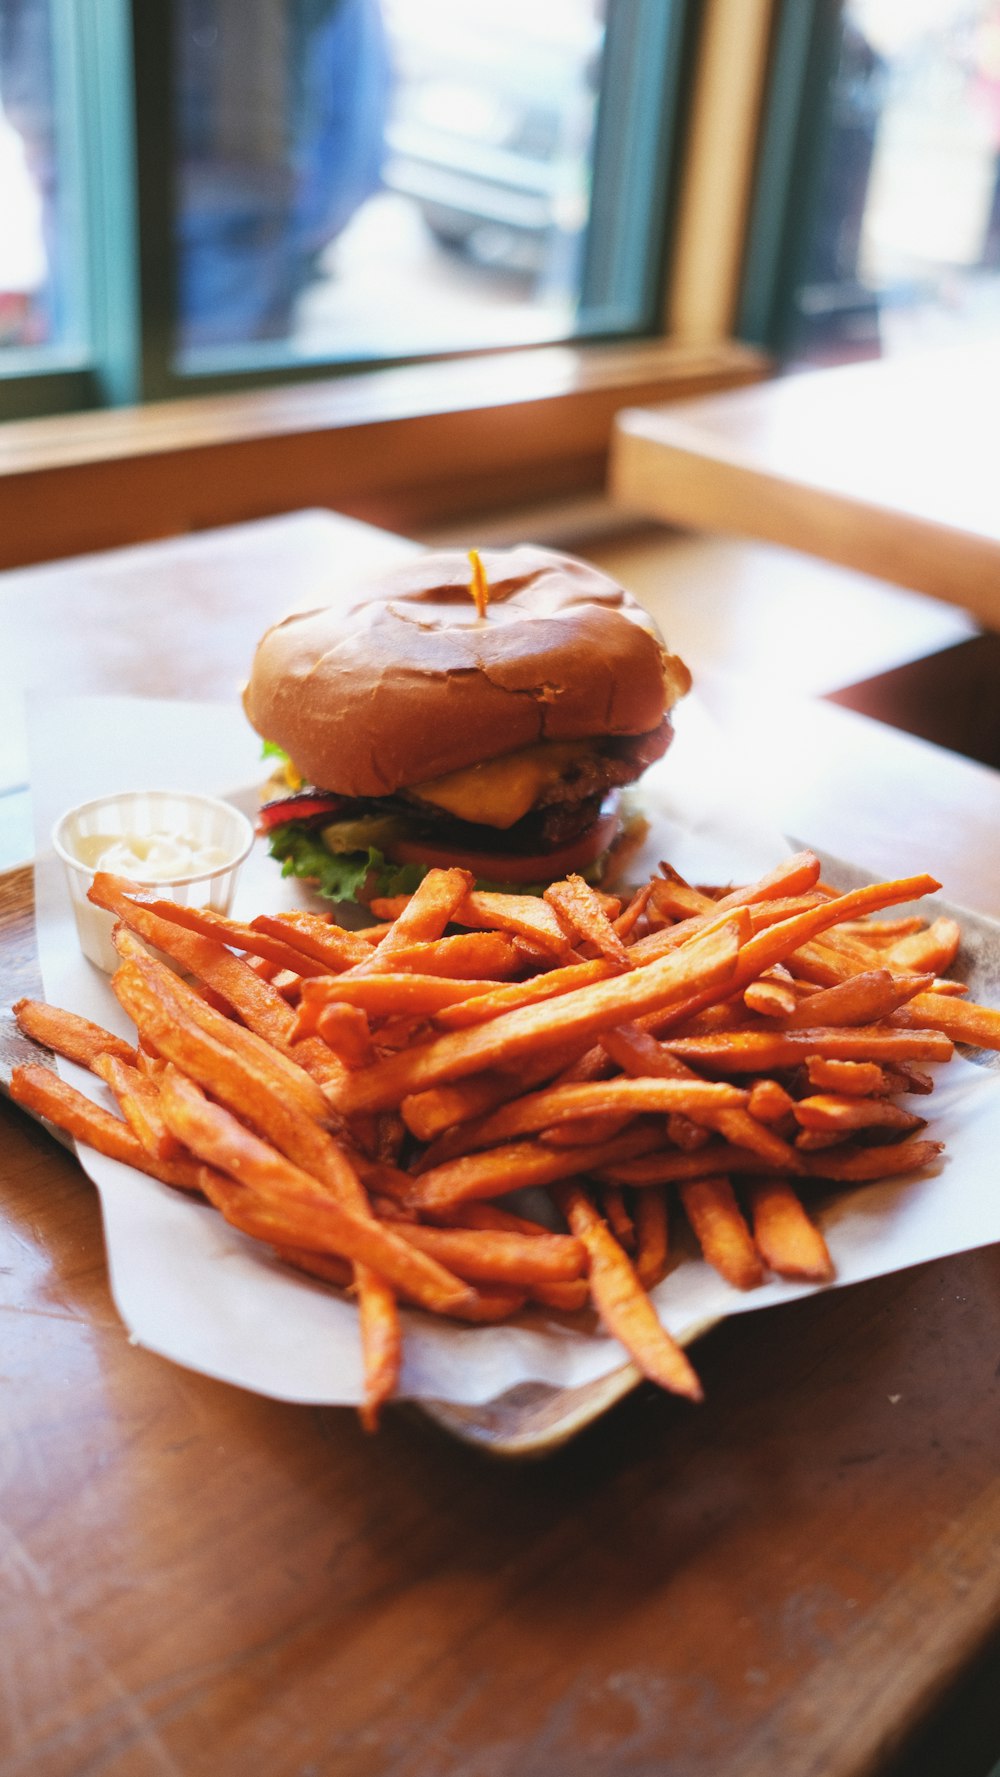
point(154, 823)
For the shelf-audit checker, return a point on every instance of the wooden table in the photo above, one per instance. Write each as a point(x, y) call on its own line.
point(888, 467)
point(802, 1577)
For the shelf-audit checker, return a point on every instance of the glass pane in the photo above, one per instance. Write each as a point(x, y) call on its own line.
point(906, 246)
point(359, 180)
point(32, 308)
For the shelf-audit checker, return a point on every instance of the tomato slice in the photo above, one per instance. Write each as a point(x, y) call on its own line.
point(306, 806)
point(514, 867)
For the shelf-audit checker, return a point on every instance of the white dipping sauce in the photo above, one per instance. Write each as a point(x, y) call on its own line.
point(149, 857)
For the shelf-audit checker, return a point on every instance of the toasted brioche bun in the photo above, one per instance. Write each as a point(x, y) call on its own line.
point(403, 682)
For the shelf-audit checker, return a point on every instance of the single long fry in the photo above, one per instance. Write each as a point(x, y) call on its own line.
point(788, 1242)
point(757, 1051)
point(491, 1003)
point(78, 1039)
point(496, 1256)
point(651, 1216)
point(833, 1112)
point(622, 1303)
point(887, 1160)
point(962, 1020)
point(725, 1240)
point(522, 1164)
point(382, 994)
point(862, 999)
point(43, 1093)
point(311, 935)
point(633, 1097)
point(577, 1015)
point(481, 956)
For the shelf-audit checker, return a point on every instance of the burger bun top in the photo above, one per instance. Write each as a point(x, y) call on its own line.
point(404, 682)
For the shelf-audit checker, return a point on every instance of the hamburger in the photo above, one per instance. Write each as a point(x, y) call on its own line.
point(486, 717)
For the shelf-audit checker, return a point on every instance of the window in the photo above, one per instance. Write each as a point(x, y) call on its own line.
point(201, 194)
point(899, 249)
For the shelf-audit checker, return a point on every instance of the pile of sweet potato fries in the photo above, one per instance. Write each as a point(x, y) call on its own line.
point(360, 1101)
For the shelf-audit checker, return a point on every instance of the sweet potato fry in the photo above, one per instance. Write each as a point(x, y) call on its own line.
point(788, 1242)
point(863, 999)
point(888, 1160)
point(138, 1099)
point(258, 1003)
point(770, 997)
point(311, 1215)
point(651, 1216)
point(630, 915)
point(640, 1054)
point(580, 912)
point(856, 1077)
point(582, 1131)
point(830, 1111)
point(721, 1231)
point(250, 938)
point(524, 1163)
point(344, 1029)
point(493, 1001)
point(67, 1034)
point(683, 1133)
point(616, 1215)
point(621, 1302)
point(490, 1216)
point(515, 1034)
point(524, 915)
point(961, 1020)
point(539, 1110)
point(754, 1051)
point(770, 1103)
point(382, 995)
point(566, 1298)
point(495, 1256)
point(315, 937)
point(425, 916)
point(43, 1093)
point(483, 956)
point(932, 951)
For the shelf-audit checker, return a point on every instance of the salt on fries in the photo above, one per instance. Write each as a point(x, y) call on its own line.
point(359, 1101)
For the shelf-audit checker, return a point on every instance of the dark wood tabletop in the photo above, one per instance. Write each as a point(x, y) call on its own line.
point(801, 1577)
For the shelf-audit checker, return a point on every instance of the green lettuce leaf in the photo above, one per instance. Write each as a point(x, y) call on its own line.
point(340, 877)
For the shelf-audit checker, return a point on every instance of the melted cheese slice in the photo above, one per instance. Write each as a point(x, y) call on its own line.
point(500, 791)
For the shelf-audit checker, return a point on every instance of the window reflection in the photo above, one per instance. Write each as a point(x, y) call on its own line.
point(381, 178)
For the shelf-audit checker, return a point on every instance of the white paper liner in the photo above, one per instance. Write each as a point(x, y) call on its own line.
point(196, 1291)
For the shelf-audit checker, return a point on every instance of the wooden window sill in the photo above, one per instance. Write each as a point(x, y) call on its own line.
point(403, 448)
